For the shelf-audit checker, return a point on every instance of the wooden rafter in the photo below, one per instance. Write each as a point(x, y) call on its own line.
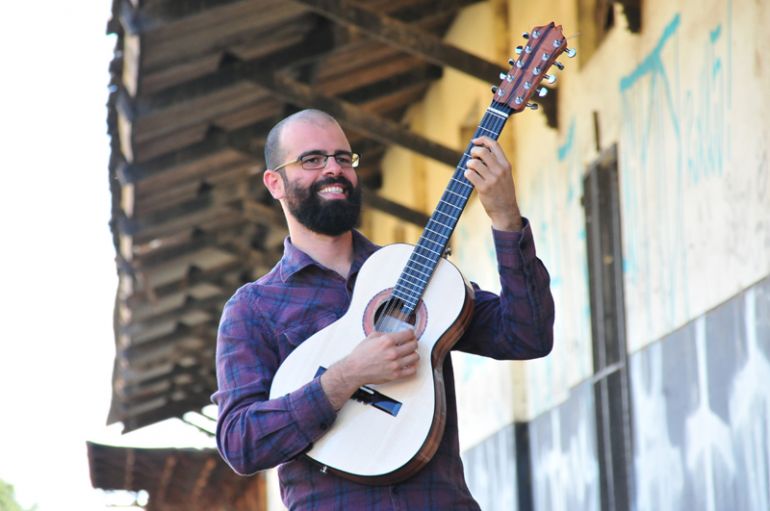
point(403, 36)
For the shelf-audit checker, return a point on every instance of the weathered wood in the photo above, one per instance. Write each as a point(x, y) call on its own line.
point(405, 37)
point(220, 276)
point(166, 410)
point(215, 140)
point(232, 72)
point(211, 306)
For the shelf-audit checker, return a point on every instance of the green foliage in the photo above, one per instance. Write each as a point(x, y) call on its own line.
point(8, 499)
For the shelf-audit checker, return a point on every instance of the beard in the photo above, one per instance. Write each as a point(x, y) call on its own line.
point(329, 217)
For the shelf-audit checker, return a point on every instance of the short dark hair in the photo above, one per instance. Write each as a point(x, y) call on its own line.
point(273, 151)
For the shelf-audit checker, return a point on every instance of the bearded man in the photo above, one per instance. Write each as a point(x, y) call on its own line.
point(311, 171)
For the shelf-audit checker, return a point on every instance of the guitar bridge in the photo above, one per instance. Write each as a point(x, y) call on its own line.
point(369, 396)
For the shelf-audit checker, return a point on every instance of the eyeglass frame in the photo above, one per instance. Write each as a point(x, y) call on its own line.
point(355, 159)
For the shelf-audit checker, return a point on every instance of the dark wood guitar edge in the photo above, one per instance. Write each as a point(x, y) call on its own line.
point(436, 431)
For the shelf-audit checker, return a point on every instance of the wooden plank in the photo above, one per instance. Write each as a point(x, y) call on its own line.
point(215, 141)
point(405, 37)
point(220, 276)
point(230, 73)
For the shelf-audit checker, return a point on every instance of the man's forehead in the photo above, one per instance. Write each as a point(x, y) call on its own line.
point(310, 131)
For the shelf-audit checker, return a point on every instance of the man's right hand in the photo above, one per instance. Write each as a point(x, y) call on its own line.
point(380, 358)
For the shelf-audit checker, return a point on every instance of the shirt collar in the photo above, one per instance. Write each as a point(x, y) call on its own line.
point(295, 260)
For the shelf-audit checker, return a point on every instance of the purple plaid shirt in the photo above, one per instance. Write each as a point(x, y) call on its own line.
point(265, 320)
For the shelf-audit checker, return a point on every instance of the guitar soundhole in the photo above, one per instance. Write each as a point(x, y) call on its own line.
point(385, 314)
point(390, 317)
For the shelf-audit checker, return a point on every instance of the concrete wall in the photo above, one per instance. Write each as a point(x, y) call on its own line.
point(686, 103)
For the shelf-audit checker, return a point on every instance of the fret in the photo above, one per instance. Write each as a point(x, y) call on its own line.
point(434, 232)
point(406, 295)
point(424, 257)
point(470, 187)
point(409, 292)
point(435, 237)
point(455, 193)
point(430, 268)
point(429, 240)
point(429, 250)
point(450, 204)
point(421, 272)
point(496, 134)
point(441, 223)
point(406, 272)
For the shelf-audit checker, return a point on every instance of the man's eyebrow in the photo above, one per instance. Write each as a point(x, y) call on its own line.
point(321, 152)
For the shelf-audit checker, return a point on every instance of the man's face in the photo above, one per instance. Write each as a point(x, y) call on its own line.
point(328, 200)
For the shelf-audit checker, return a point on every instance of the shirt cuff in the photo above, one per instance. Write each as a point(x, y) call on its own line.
point(514, 249)
point(312, 410)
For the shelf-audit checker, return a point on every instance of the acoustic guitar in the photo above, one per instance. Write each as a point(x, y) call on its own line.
point(386, 433)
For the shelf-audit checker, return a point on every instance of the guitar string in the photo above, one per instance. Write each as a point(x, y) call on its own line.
point(498, 122)
point(407, 278)
point(491, 124)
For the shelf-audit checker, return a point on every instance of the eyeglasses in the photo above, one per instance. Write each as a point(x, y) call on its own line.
point(317, 161)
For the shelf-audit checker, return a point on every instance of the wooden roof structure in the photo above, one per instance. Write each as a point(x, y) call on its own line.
point(196, 84)
point(176, 479)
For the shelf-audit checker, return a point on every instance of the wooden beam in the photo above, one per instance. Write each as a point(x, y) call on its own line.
point(231, 71)
point(216, 140)
point(154, 15)
point(404, 36)
point(219, 277)
point(377, 201)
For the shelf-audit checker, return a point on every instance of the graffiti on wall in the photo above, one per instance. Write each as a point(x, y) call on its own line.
point(551, 197)
point(490, 471)
point(682, 180)
point(565, 471)
point(702, 413)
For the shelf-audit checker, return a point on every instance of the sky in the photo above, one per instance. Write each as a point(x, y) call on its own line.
point(57, 262)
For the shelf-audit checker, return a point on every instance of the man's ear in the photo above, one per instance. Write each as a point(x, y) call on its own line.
point(274, 183)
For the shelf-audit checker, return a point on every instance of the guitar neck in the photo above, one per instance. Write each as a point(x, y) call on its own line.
point(435, 237)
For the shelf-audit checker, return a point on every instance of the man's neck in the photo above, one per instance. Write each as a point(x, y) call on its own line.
point(333, 252)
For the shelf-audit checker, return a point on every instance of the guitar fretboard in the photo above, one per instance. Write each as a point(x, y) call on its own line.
point(435, 237)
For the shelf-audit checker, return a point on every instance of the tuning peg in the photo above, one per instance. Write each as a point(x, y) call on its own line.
point(502, 75)
point(532, 106)
point(525, 35)
point(494, 89)
point(559, 65)
point(542, 91)
point(511, 62)
point(549, 78)
point(519, 49)
point(570, 52)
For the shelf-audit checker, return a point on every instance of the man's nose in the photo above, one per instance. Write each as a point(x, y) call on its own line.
point(332, 168)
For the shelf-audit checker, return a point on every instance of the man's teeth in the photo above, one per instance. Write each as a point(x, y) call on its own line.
point(332, 189)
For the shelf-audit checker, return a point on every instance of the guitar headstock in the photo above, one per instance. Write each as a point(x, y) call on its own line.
point(544, 45)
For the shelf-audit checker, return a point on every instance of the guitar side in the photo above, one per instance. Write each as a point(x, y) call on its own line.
point(366, 443)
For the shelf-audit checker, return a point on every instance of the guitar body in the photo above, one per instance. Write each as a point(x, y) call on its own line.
point(366, 443)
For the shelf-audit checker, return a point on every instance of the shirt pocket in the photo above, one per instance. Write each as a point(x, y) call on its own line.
point(297, 334)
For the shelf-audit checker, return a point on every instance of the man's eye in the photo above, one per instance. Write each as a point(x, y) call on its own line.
point(343, 159)
point(313, 159)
